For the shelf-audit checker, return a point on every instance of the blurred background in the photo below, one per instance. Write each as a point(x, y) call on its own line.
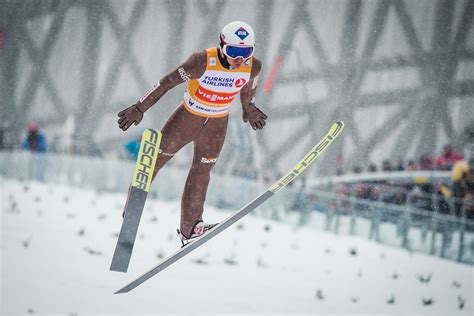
point(399, 73)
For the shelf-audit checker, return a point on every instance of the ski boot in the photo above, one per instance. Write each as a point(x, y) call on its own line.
point(199, 229)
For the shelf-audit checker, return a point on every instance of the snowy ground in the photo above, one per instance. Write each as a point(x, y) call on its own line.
point(57, 243)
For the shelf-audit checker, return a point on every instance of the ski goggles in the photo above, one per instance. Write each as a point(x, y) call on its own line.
point(235, 52)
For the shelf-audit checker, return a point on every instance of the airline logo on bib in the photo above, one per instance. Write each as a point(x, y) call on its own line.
point(240, 82)
point(217, 81)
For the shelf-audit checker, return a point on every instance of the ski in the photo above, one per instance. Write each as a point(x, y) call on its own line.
point(147, 155)
point(297, 170)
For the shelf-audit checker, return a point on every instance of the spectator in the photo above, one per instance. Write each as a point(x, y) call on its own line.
point(339, 165)
point(400, 166)
point(387, 166)
point(398, 198)
point(132, 148)
point(34, 141)
point(375, 191)
point(447, 159)
point(357, 169)
point(463, 186)
point(411, 165)
point(362, 190)
point(372, 167)
point(443, 194)
point(421, 197)
point(426, 163)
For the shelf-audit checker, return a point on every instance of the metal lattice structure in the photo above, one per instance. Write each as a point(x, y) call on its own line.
point(424, 109)
point(327, 51)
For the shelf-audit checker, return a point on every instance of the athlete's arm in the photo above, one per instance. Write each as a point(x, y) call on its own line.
point(192, 68)
point(251, 113)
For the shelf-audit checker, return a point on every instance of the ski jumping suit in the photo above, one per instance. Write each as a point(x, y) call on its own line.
point(201, 118)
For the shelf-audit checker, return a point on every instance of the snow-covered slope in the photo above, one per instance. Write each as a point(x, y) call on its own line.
point(57, 243)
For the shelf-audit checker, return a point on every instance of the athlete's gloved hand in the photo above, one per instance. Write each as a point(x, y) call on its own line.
point(254, 116)
point(130, 115)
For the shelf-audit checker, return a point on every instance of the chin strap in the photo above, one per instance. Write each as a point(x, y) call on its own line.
point(223, 61)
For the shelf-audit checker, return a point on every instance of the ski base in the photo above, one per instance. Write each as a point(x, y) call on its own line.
point(128, 231)
point(147, 155)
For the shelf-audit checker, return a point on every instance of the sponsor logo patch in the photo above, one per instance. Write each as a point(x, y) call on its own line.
point(240, 82)
point(155, 86)
point(208, 160)
point(212, 61)
point(242, 33)
point(218, 81)
point(183, 74)
point(213, 96)
point(149, 147)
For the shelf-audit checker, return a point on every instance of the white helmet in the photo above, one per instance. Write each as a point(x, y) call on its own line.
point(237, 39)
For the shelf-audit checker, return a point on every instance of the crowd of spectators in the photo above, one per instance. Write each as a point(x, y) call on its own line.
point(451, 197)
point(444, 161)
point(35, 141)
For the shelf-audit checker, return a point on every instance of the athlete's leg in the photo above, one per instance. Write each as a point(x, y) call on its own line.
point(207, 147)
point(180, 129)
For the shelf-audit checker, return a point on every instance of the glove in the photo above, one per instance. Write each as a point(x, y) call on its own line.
point(255, 117)
point(129, 116)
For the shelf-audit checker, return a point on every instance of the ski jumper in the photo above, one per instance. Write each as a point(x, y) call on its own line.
point(201, 118)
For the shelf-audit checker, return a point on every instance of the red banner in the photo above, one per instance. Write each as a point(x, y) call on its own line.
point(1, 39)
